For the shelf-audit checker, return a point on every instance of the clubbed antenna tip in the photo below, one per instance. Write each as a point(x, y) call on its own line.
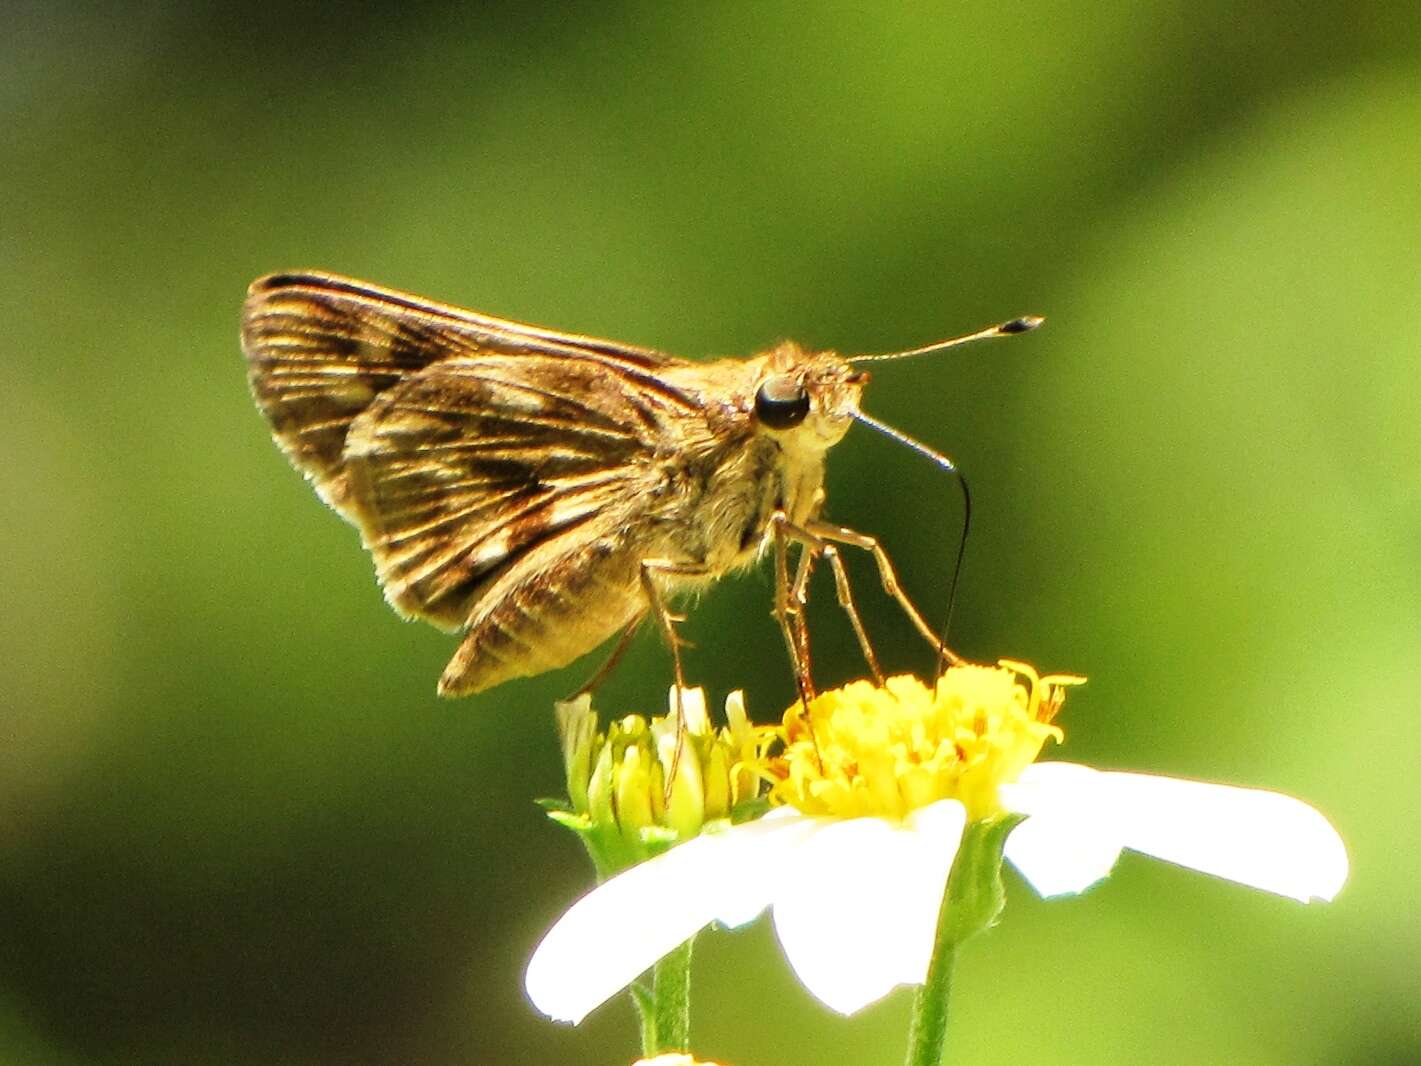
point(1024, 324)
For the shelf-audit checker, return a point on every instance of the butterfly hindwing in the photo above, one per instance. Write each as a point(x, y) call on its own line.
point(462, 470)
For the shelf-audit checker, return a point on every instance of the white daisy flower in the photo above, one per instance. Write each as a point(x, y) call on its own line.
point(875, 787)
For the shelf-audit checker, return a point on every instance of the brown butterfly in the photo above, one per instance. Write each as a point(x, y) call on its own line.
point(543, 491)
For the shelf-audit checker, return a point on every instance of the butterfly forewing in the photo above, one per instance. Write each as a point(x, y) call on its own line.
point(320, 348)
point(489, 465)
point(456, 474)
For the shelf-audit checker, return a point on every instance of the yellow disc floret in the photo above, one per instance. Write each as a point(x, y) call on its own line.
point(862, 750)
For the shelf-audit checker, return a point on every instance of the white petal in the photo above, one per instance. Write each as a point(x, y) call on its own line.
point(1263, 839)
point(1080, 818)
point(857, 911)
point(769, 844)
point(1068, 842)
point(619, 929)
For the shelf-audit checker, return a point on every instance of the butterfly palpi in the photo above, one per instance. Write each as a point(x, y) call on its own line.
point(542, 492)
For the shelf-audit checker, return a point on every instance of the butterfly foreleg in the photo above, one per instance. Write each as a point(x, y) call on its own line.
point(790, 599)
point(842, 535)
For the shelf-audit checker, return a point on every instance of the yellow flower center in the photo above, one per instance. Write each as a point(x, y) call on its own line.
point(863, 751)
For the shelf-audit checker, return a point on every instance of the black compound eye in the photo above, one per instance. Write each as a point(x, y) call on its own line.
point(781, 402)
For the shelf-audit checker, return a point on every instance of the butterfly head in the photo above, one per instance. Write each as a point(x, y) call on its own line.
point(807, 399)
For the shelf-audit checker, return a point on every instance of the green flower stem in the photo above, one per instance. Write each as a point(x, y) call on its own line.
point(972, 902)
point(671, 981)
point(664, 1005)
point(646, 1014)
point(928, 1031)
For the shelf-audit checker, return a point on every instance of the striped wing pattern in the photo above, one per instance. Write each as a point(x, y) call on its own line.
point(458, 473)
point(458, 443)
point(320, 348)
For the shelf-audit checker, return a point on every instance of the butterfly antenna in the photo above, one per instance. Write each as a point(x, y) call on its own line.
point(1024, 324)
point(945, 464)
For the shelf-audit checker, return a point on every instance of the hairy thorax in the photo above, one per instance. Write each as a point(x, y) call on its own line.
point(716, 514)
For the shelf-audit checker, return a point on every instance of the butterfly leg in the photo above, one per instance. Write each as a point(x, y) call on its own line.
point(798, 602)
point(842, 535)
point(790, 599)
point(650, 570)
point(814, 547)
point(610, 663)
point(846, 600)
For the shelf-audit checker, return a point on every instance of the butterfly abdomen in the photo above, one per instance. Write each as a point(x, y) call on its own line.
point(543, 615)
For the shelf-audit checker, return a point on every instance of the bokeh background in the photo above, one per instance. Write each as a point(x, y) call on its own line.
point(237, 827)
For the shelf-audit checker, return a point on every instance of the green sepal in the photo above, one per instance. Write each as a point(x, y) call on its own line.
point(975, 893)
point(608, 849)
point(747, 810)
point(578, 823)
point(656, 839)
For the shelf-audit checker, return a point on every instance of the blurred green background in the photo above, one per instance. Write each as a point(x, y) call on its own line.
point(237, 827)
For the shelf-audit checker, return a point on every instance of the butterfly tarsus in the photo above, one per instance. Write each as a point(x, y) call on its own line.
point(789, 603)
point(790, 599)
point(650, 568)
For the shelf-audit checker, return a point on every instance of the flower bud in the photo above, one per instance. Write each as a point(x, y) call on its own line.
point(618, 799)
